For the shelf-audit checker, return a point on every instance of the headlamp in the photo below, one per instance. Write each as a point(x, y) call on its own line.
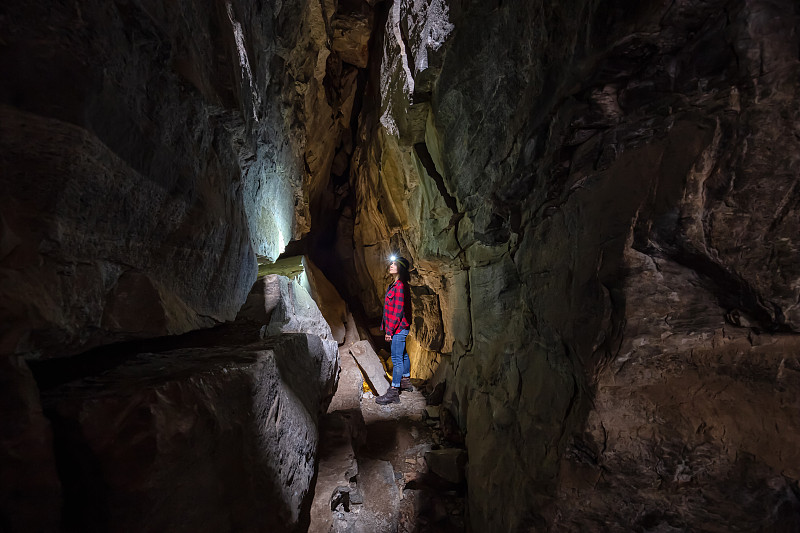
point(392, 258)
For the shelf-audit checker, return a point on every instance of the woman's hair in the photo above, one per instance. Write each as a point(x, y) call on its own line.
point(403, 265)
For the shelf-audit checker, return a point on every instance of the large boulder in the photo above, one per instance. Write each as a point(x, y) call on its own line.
point(260, 302)
point(216, 439)
point(279, 304)
point(292, 309)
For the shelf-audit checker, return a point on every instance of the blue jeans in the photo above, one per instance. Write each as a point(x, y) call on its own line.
point(401, 365)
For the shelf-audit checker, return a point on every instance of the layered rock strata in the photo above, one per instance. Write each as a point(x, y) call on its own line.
point(601, 202)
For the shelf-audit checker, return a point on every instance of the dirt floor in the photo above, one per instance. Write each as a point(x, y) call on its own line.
point(374, 472)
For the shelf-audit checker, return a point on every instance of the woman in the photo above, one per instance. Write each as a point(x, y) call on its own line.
point(395, 325)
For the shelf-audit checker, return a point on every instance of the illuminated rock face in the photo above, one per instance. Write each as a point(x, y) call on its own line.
point(601, 202)
point(148, 153)
point(151, 151)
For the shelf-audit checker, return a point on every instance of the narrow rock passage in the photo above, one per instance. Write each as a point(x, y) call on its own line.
point(386, 468)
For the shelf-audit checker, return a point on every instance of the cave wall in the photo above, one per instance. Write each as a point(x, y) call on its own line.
point(151, 151)
point(601, 203)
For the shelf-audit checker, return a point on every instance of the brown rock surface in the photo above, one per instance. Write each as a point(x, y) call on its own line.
point(600, 200)
point(349, 386)
point(601, 203)
point(328, 300)
point(447, 463)
point(373, 477)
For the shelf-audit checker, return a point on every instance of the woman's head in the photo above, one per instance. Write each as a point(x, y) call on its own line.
point(399, 268)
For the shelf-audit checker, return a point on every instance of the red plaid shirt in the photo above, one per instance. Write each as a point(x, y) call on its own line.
point(394, 316)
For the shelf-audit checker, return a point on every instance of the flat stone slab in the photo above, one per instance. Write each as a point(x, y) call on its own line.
point(371, 367)
point(381, 511)
point(410, 408)
point(348, 392)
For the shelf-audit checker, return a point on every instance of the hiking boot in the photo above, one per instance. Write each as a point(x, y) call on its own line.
point(392, 396)
point(405, 385)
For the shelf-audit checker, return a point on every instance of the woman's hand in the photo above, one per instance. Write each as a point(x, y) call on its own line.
point(388, 337)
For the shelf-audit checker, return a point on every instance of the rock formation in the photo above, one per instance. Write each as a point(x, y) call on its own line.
point(221, 437)
point(150, 152)
point(601, 202)
point(31, 490)
point(209, 439)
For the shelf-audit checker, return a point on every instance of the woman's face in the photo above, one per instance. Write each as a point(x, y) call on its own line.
point(392, 268)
